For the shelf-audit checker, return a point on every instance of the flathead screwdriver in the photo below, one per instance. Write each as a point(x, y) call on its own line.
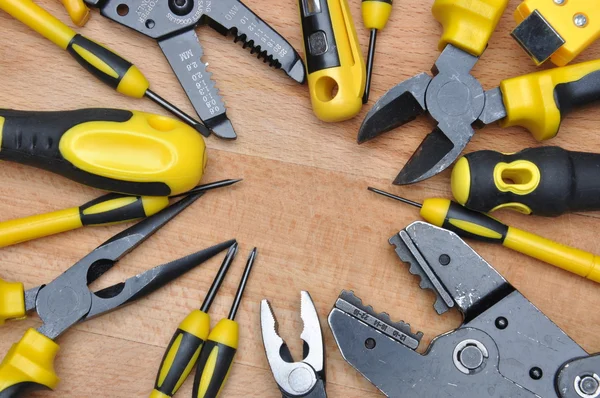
point(216, 357)
point(100, 61)
point(375, 16)
point(471, 224)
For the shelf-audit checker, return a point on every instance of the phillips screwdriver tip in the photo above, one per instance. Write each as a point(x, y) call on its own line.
point(392, 196)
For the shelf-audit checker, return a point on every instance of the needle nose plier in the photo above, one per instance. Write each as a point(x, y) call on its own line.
point(67, 300)
point(296, 379)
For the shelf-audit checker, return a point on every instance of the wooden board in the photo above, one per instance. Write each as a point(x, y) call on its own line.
point(303, 203)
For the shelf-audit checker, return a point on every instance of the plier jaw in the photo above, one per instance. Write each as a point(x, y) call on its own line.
point(296, 379)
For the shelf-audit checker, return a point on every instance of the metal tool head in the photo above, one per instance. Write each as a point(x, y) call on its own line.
point(307, 377)
point(67, 299)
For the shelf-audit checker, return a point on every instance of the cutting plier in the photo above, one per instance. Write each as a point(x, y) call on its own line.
point(457, 102)
point(296, 379)
point(67, 300)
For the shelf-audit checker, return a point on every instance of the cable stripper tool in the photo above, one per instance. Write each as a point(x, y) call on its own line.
point(457, 102)
point(505, 347)
point(172, 23)
point(67, 300)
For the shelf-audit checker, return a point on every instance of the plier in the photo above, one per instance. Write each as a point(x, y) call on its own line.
point(296, 379)
point(457, 102)
point(67, 300)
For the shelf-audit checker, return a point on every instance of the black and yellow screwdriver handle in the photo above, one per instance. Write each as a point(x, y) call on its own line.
point(216, 359)
point(106, 65)
point(334, 60)
point(108, 209)
point(471, 224)
point(538, 101)
point(545, 181)
point(28, 366)
point(122, 151)
point(181, 354)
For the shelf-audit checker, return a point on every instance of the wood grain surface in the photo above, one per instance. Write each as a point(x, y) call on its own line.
point(303, 203)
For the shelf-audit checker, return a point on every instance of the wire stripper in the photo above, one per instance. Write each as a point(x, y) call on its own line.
point(558, 30)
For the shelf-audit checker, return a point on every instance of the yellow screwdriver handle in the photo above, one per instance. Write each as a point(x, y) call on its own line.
point(376, 13)
point(181, 354)
point(77, 10)
point(106, 65)
point(568, 258)
point(468, 24)
point(29, 365)
point(12, 301)
point(538, 101)
point(216, 359)
point(122, 151)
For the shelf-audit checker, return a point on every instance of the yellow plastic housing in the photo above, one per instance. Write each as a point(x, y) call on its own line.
point(525, 177)
point(375, 13)
point(529, 99)
point(435, 210)
point(461, 181)
point(146, 148)
point(336, 93)
point(561, 18)
point(38, 226)
point(468, 24)
point(12, 301)
point(77, 10)
point(31, 360)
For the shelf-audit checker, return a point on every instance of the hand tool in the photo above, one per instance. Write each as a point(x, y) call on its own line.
point(183, 350)
point(105, 64)
point(457, 101)
point(505, 347)
point(471, 224)
point(108, 209)
point(217, 353)
point(545, 181)
point(130, 152)
point(334, 60)
point(558, 30)
point(375, 15)
point(173, 23)
point(296, 379)
point(67, 301)
point(77, 10)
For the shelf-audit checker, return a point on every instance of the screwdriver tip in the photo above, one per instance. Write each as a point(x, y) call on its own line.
point(392, 196)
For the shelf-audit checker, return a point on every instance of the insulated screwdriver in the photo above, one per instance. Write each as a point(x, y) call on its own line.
point(216, 356)
point(471, 224)
point(100, 61)
point(183, 350)
point(108, 209)
point(375, 15)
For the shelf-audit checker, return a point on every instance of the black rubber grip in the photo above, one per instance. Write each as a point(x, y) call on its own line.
point(116, 63)
point(581, 92)
point(569, 181)
point(21, 390)
point(32, 138)
point(185, 353)
point(221, 369)
point(132, 211)
point(485, 225)
point(319, 38)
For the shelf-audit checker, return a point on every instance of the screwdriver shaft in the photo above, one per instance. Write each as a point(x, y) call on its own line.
point(201, 128)
point(370, 60)
point(214, 288)
point(398, 198)
point(242, 286)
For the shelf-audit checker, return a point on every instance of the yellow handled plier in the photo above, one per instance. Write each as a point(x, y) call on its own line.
point(67, 300)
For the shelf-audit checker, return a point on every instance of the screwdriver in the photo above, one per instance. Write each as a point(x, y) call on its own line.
point(183, 350)
point(471, 224)
point(216, 356)
point(375, 15)
point(108, 209)
point(102, 62)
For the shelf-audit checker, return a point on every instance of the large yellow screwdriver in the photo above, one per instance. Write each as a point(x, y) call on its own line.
point(102, 62)
point(183, 350)
point(471, 224)
point(375, 15)
point(216, 356)
point(108, 209)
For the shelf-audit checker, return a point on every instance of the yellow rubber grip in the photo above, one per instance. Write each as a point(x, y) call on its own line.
point(39, 20)
point(468, 24)
point(530, 99)
point(568, 258)
point(38, 226)
point(336, 92)
point(561, 17)
point(77, 10)
point(30, 363)
point(12, 301)
point(375, 13)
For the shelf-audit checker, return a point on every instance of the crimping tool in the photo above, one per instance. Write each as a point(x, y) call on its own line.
point(506, 347)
